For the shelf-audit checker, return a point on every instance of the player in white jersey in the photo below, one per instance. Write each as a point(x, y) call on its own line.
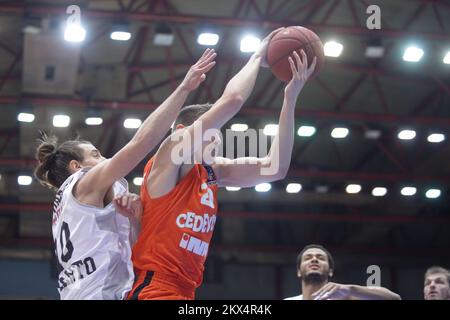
point(315, 267)
point(92, 241)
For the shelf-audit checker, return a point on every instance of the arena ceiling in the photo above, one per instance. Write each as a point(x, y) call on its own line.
point(130, 79)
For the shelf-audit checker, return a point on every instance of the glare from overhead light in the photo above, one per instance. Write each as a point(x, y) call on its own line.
point(379, 191)
point(293, 188)
point(249, 43)
point(239, 127)
point(372, 134)
point(25, 117)
point(24, 180)
point(433, 193)
point(406, 134)
point(408, 191)
point(93, 121)
point(74, 33)
point(333, 49)
point(270, 130)
point(208, 39)
point(436, 137)
point(120, 35)
point(61, 121)
point(132, 123)
point(353, 188)
point(163, 35)
point(138, 181)
point(374, 52)
point(413, 54)
point(339, 133)
point(232, 188)
point(322, 189)
point(306, 131)
point(263, 187)
point(446, 59)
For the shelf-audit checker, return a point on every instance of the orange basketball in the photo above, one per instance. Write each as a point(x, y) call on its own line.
point(294, 38)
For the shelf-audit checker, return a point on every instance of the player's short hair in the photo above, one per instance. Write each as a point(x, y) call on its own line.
point(317, 246)
point(189, 114)
point(437, 269)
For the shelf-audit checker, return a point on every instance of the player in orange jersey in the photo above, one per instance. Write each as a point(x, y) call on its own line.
point(180, 197)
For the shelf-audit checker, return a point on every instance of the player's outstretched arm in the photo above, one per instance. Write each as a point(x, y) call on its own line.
point(247, 172)
point(99, 179)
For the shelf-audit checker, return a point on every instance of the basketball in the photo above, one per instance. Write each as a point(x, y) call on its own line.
point(285, 42)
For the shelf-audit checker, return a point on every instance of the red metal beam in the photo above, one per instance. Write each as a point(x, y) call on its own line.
point(313, 11)
point(306, 112)
point(279, 8)
point(144, 85)
point(351, 4)
point(314, 174)
point(283, 216)
point(350, 92)
point(380, 94)
point(438, 18)
point(414, 16)
point(329, 12)
point(391, 156)
point(419, 79)
point(9, 71)
point(226, 21)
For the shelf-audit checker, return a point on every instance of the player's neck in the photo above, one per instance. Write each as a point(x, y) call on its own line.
point(309, 288)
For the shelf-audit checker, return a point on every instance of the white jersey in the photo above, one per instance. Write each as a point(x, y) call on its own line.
point(299, 297)
point(92, 246)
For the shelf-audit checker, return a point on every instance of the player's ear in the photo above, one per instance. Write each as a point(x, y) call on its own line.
point(74, 166)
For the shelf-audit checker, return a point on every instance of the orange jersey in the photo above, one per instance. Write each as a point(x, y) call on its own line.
point(177, 228)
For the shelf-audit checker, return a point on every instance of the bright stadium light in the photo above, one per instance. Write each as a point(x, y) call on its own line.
point(263, 187)
point(333, 49)
point(24, 180)
point(137, 181)
point(353, 188)
point(270, 130)
point(339, 133)
point(74, 33)
point(239, 127)
point(433, 193)
point(379, 191)
point(249, 43)
point(406, 134)
point(408, 191)
point(436, 137)
point(93, 121)
point(413, 54)
point(232, 188)
point(306, 131)
point(208, 39)
point(293, 188)
point(61, 121)
point(132, 123)
point(25, 117)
